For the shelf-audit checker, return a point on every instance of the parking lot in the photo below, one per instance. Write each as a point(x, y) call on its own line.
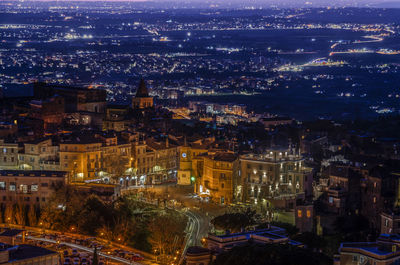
point(79, 251)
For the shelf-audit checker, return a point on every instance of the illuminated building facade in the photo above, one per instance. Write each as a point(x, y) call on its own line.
point(39, 154)
point(82, 158)
point(218, 176)
point(188, 169)
point(29, 187)
point(277, 178)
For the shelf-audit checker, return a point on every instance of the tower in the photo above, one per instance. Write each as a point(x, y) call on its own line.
point(142, 100)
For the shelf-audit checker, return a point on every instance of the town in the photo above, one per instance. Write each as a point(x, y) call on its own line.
point(319, 178)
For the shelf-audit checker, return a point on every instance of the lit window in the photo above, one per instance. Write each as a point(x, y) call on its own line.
point(299, 213)
point(34, 187)
point(308, 213)
point(23, 188)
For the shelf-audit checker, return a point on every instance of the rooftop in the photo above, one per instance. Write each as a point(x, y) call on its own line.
point(22, 252)
point(224, 156)
point(11, 232)
point(374, 249)
point(274, 155)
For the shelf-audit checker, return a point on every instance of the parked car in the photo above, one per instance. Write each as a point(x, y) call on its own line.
point(137, 257)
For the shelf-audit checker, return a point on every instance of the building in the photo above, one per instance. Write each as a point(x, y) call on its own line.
point(40, 154)
point(390, 223)
point(115, 153)
point(8, 129)
point(275, 121)
point(142, 100)
point(343, 195)
point(83, 106)
point(187, 172)
point(8, 155)
point(277, 178)
point(142, 163)
point(270, 235)
point(116, 118)
point(50, 110)
point(13, 251)
point(82, 157)
point(379, 193)
point(77, 99)
point(217, 177)
point(152, 162)
point(385, 251)
point(30, 187)
point(198, 256)
point(217, 244)
point(166, 160)
point(304, 218)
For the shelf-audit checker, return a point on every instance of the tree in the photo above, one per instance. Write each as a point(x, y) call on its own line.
point(116, 165)
point(235, 222)
point(9, 214)
point(311, 240)
point(91, 215)
point(32, 216)
point(165, 230)
point(290, 229)
point(20, 213)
